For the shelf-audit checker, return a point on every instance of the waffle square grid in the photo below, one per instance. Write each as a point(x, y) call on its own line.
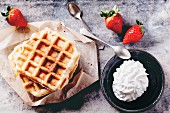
point(46, 58)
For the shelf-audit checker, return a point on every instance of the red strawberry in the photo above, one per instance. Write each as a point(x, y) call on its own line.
point(14, 17)
point(113, 20)
point(134, 34)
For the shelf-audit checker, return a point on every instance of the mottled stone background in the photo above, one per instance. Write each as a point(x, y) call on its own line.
point(155, 14)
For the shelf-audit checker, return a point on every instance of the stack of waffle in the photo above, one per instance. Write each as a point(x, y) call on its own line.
point(45, 63)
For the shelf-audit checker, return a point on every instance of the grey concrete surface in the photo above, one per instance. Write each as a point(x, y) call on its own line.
point(155, 15)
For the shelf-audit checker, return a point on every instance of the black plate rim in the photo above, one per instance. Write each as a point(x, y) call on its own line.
point(126, 110)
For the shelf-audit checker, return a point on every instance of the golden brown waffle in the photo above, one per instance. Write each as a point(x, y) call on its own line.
point(47, 59)
point(34, 88)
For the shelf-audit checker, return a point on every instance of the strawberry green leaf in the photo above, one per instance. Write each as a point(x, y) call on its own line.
point(110, 13)
point(141, 26)
point(138, 22)
point(3, 14)
point(8, 8)
point(103, 13)
point(142, 29)
point(115, 9)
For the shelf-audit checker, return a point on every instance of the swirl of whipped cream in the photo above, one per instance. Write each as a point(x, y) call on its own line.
point(130, 81)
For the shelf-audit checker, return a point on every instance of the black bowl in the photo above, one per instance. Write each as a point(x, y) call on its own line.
point(150, 96)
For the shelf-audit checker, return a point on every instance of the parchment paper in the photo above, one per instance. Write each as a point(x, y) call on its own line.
point(88, 64)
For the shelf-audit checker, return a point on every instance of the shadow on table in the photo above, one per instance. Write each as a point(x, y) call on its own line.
point(124, 30)
point(73, 103)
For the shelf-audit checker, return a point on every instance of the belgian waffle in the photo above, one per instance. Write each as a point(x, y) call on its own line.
point(32, 87)
point(47, 59)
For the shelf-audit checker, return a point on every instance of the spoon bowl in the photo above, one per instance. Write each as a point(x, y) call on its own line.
point(122, 52)
point(75, 12)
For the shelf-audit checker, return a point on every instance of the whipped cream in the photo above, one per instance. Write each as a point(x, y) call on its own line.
point(130, 81)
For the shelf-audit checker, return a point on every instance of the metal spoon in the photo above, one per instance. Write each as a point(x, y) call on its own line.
point(74, 11)
point(120, 51)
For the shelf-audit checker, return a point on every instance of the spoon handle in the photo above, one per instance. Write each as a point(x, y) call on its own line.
point(85, 25)
point(87, 33)
point(120, 51)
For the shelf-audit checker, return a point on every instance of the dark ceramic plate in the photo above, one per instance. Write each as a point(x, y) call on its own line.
point(150, 96)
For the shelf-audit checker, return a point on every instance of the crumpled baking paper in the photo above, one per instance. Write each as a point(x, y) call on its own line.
point(88, 64)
